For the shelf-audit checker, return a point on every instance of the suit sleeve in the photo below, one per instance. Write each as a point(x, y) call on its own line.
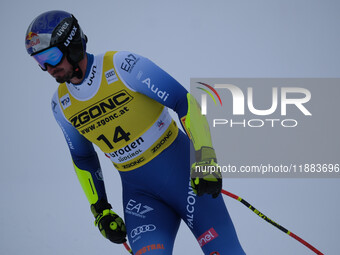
point(84, 157)
point(142, 75)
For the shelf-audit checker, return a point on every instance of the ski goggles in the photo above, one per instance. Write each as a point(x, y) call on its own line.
point(51, 56)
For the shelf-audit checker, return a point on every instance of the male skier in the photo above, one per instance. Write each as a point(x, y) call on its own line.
point(119, 101)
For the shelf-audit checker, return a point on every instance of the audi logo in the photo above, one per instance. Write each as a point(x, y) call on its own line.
point(142, 229)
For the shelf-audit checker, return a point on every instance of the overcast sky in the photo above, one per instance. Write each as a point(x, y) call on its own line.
point(43, 209)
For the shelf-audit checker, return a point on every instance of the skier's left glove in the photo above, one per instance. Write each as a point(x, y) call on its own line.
point(205, 173)
point(110, 225)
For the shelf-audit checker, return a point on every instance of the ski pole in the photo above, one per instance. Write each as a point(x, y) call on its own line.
point(244, 202)
point(127, 247)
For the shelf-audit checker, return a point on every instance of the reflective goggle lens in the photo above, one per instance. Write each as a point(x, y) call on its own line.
point(51, 56)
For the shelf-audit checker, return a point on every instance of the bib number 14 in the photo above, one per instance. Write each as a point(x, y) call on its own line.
point(119, 134)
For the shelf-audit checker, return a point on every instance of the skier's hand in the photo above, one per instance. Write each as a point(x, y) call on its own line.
point(110, 225)
point(205, 174)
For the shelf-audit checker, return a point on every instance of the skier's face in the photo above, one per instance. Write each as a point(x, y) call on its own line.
point(62, 72)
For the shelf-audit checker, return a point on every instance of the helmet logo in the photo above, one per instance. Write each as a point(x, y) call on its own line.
point(63, 28)
point(30, 35)
point(32, 39)
point(70, 37)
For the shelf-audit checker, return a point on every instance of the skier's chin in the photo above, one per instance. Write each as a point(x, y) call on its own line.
point(65, 78)
point(61, 80)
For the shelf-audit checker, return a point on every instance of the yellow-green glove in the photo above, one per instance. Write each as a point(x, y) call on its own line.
point(205, 174)
point(110, 225)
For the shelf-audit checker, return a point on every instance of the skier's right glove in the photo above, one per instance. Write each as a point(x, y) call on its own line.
point(110, 225)
point(205, 174)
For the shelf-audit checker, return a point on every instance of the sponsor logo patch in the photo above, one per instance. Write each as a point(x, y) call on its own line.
point(207, 237)
point(111, 76)
point(137, 209)
point(161, 94)
point(191, 201)
point(129, 63)
point(150, 248)
point(93, 74)
point(101, 108)
point(142, 229)
point(70, 37)
point(65, 101)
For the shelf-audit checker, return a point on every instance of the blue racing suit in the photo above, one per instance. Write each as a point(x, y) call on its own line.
point(122, 107)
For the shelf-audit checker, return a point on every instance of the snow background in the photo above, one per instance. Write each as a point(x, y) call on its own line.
point(43, 209)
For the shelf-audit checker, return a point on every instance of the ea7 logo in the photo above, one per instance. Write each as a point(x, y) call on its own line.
point(65, 101)
point(129, 63)
point(207, 237)
point(137, 209)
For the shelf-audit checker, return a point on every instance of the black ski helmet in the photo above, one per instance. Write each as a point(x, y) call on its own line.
point(57, 29)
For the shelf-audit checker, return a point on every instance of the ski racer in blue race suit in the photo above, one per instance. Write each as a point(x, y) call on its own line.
point(119, 101)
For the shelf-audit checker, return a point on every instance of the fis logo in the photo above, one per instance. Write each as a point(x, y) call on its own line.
point(142, 229)
point(160, 124)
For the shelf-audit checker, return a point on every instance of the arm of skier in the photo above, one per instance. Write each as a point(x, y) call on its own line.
point(142, 75)
point(87, 167)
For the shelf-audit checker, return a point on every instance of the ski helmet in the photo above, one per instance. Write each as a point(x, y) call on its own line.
point(53, 35)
